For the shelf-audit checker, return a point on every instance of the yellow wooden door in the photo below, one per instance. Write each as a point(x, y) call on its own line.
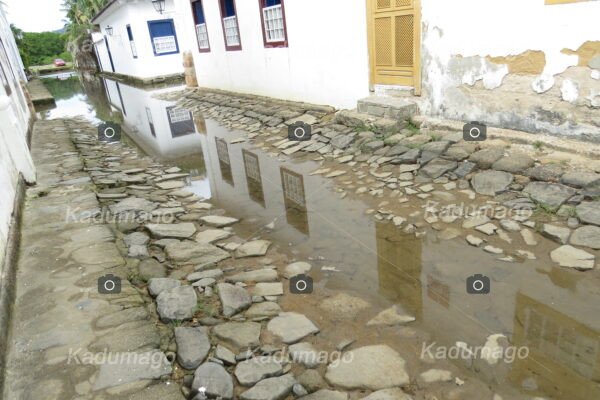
point(395, 42)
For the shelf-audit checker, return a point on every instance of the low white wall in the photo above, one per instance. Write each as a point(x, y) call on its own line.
point(147, 65)
point(14, 122)
point(326, 61)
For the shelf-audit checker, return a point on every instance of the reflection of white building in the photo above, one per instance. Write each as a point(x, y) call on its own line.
point(135, 40)
point(15, 117)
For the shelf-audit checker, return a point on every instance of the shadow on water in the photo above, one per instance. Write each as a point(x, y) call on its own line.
point(552, 311)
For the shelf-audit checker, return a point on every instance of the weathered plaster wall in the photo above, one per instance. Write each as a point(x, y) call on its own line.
point(15, 158)
point(515, 64)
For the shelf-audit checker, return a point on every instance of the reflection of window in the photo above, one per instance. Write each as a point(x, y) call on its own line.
point(164, 38)
point(253, 177)
point(231, 30)
point(180, 121)
point(150, 121)
point(293, 187)
point(222, 151)
point(224, 161)
point(131, 42)
point(201, 30)
point(273, 20)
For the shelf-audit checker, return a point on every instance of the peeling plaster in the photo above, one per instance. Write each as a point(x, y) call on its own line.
point(569, 91)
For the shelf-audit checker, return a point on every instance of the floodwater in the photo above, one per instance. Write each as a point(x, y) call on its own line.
point(553, 312)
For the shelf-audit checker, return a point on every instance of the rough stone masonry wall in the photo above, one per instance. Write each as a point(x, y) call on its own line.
point(517, 65)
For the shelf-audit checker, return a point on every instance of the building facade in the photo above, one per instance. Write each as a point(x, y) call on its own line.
point(134, 39)
point(532, 66)
point(15, 118)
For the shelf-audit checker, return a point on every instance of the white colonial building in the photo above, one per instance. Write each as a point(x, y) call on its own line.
point(136, 40)
point(16, 165)
point(529, 65)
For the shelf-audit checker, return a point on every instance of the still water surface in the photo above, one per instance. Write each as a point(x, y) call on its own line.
point(552, 311)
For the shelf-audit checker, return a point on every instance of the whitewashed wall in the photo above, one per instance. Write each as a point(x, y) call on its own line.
point(326, 62)
point(137, 14)
point(15, 158)
point(459, 82)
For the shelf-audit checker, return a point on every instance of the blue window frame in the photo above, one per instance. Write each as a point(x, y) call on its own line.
point(198, 12)
point(271, 3)
point(228, 8)
point(163, 37)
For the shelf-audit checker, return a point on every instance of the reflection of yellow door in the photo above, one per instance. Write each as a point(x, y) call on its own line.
point(395, 42)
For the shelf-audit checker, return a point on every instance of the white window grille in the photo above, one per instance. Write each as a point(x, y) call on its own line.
point(179, 115)
point(252, 168)
point(293, 188)
point(164, 44)
point(133, 48)
point(202, 35)
point(232, 37)
point(274, 29)
point(222, 151)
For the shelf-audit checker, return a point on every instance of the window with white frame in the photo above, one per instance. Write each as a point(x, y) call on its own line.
point(231, 30)
point(200, 22)
point(179, 115)
point(164, 38)
point(273, 18)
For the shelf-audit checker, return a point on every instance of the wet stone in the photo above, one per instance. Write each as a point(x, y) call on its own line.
point(371, 367)
point(572, 257)
point(491, 183)
point(135, 204)
point(390, 317)
point(389, 394)
point(586, 236)
point(263, 309)
point(212, 235)
point(397, 150)
point(150, 268)
point(487, 157)
point(291, 327)
point(239, 335)
point(556, 233)
point(552, 195)
point(218, 221)
point(195, 253)
point(268, 289)
point(514, 163)
point(581, 179)
point(342, 305)
point(173, 231)
point(255, 248)
point(251, 371)
point(589, 212)
point(176, 304)
point(193, 346)
point(214, 379)
point(270, 389)
point(131, 369)
point(311, 380)
point(158, 285)
point(260, 275)
point(234, 299)
point(438, 167)
point(545, 173)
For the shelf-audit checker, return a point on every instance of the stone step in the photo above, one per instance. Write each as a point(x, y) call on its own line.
point(369, 122)
point(397, 108)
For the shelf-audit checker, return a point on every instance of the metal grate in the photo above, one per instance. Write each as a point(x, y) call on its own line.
point(404, 40)
point(165, 44)
point(202, 35)
point(383, 3)
point(403, 3)
point(383, 41)
point(232, 37)
point(274, 30)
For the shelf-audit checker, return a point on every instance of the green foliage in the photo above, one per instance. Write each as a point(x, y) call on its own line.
point(40, 48)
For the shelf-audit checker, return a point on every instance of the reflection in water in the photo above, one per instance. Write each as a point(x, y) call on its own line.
point(224, 161)
point(566, 352)
point(253, 177)
point(294, 197)
point(399, 264)
point(552, 310)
